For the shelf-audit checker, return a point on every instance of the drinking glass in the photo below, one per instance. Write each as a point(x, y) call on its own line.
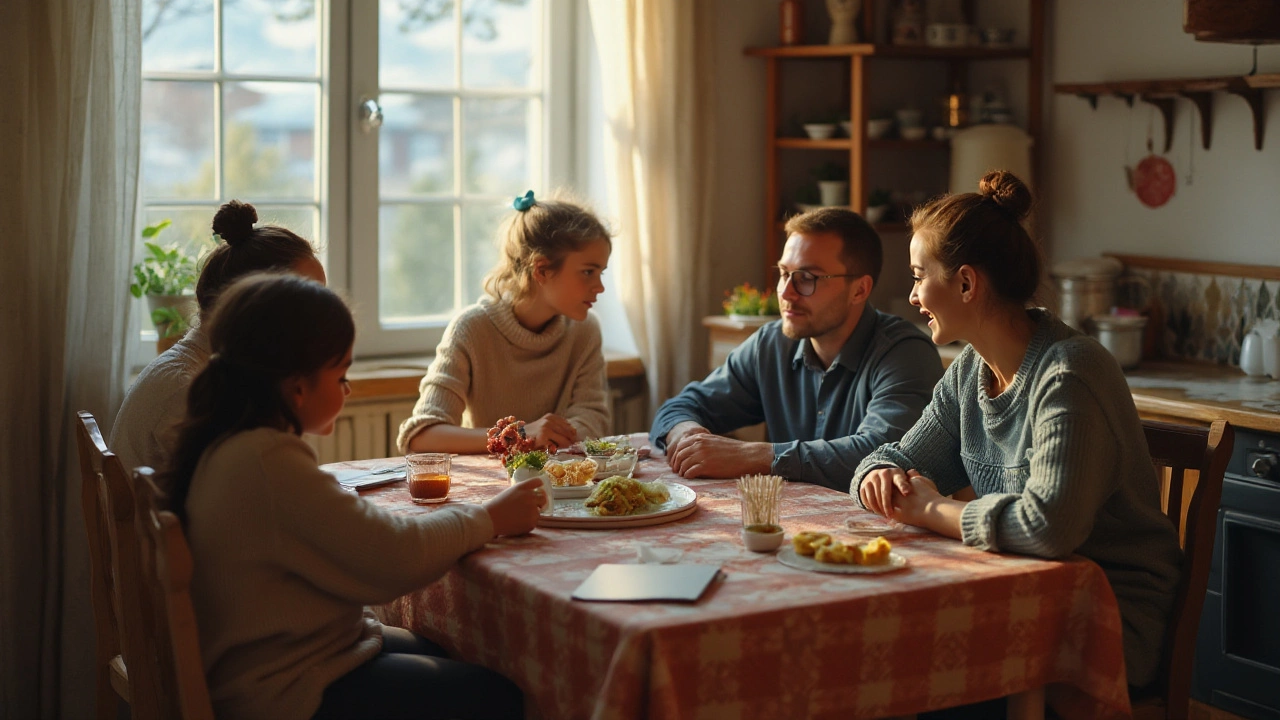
point(428, 477)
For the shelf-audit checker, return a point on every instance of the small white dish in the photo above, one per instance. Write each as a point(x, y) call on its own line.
point(909, 117)
point(875, 214)
point(572, 492)
point(914, 133)
point(846, 127)
point(879, 128)
point(762, 541)
point(820, 131)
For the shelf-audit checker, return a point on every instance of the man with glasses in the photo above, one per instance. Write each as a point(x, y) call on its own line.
point(832, 381)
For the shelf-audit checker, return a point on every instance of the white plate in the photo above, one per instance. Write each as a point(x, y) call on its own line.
point(787, 556)
point(570, 492)
point(573, 514)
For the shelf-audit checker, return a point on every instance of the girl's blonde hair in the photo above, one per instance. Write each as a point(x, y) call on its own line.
point(548, 230)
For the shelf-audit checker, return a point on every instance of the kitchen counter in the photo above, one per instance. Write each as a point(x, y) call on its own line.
point(1195, 393)
point(1203, 393)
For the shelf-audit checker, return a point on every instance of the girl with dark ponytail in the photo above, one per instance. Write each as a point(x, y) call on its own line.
point(285, 559)
point(1032, 431)
point(143, 433)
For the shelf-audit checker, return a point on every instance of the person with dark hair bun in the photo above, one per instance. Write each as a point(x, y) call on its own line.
point(144, 427)
point(1032, 430)
point(285, 560)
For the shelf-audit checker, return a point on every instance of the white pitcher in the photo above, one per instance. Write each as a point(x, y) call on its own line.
point(1269, 334)
point(1251, 358)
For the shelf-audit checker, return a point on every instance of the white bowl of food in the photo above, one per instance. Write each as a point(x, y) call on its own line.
point(878, 128)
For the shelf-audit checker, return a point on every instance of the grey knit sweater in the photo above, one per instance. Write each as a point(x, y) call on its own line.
point(1060, 465)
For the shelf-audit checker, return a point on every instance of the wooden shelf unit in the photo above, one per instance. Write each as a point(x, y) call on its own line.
point(858, 56)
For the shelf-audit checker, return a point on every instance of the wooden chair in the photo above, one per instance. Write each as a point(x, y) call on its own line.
point(110, 673)
point(168, 576)
point(123, 634)
point(1177, 450)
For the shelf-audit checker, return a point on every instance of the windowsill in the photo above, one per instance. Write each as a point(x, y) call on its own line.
point(386, 378)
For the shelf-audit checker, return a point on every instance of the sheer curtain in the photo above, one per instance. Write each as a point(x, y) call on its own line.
point(656, 62)
point(70, 75)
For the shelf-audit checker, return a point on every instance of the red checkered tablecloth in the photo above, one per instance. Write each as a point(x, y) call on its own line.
point(958, 626)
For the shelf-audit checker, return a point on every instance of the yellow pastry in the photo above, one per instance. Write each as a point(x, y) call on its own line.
point(806, 543)
point(875, 552)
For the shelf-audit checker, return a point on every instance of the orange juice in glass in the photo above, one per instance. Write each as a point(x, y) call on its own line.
point(428, 477)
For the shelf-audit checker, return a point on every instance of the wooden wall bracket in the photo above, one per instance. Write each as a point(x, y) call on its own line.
point(1165, 106)
point(1199, 91)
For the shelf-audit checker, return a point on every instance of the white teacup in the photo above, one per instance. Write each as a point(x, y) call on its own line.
point(521, 474)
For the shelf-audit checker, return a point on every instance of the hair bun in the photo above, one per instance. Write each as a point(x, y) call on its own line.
point(234, 221)
point(1006, 190)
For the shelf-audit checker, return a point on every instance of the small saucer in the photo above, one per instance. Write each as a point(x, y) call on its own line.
point(762, 542)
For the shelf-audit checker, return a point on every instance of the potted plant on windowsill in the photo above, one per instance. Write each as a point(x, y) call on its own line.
point(167, 277)
point(748, 305)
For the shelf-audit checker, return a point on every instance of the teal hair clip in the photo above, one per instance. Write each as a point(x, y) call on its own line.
point(524, 202)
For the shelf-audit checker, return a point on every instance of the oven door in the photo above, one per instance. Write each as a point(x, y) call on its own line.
point(1238, 648)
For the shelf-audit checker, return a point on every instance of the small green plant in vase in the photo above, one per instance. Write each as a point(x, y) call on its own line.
point(877, 205)
point(166, 276)
point(745, 302)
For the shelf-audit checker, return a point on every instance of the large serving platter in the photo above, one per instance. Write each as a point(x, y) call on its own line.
point(572, 514)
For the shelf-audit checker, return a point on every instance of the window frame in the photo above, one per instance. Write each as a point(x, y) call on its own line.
point(323, 150)
point(356, 238)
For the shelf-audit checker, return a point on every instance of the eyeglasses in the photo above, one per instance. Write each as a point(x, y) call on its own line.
point(804, 281)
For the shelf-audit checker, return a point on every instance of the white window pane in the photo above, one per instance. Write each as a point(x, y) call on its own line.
point(496, 145)
point(177, 35)
point(480, 245)
point(269, 140)
point(415, 145)
point(177, 140)
point(191, 228)
point(415, 262)
point(416, 41)
point(302, 220)
point(498, 39)
point(276, 37)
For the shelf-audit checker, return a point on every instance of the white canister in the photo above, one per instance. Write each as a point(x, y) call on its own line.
point(1086, 287)
point(1268, 332)
point(1122, 335)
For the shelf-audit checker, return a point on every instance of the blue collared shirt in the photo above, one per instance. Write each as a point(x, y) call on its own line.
point(821, 421)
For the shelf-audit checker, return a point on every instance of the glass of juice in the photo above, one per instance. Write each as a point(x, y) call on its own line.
point(428, 477)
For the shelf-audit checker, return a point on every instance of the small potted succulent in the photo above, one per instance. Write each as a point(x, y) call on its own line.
point(167, 277)
point(877, 205)
point(747, 304)
point(833, 183)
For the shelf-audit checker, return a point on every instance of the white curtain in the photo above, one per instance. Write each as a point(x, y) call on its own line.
point(657, 77)
point(70, 82)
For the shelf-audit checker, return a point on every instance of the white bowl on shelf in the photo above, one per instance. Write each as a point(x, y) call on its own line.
point(875, 214)
point(879, 128)
point(820, 131)
point(846, 127)
point(914, 133)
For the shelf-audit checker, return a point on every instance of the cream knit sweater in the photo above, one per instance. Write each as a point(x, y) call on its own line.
point(489, 366)
point(286, 560)
point(145, 430)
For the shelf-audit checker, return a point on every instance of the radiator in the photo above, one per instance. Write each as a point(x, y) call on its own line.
point(367, 428)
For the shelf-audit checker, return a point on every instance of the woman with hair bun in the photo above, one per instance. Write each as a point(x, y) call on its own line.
point(1032, 430)
point(144, 430)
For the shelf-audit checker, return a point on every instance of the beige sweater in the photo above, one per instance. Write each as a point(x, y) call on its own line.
point(488, 366)
point(145, 429)
point(286, 560)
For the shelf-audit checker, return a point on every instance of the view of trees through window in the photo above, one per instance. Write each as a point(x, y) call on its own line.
point(232, 103)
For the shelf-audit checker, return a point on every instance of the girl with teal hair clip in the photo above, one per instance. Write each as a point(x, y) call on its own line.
point(530, 349)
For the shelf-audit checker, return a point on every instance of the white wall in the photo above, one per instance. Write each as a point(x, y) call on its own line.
point(1231, 210)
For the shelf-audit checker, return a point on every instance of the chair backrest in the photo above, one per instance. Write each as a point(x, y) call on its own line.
point(1176, 451)
point(168, 575)
point(93, 453)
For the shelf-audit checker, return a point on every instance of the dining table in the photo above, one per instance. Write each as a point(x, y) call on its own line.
point(956, 625)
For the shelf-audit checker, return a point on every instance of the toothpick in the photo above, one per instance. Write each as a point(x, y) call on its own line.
point(761, 496)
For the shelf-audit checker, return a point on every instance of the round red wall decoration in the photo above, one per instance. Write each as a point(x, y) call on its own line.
point(1154, 181)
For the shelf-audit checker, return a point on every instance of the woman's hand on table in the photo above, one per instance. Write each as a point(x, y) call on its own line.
point(912, 499)
point(548, 429)
point(514, 511)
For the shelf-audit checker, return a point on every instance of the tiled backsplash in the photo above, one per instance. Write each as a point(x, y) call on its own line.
point(1205, 316)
